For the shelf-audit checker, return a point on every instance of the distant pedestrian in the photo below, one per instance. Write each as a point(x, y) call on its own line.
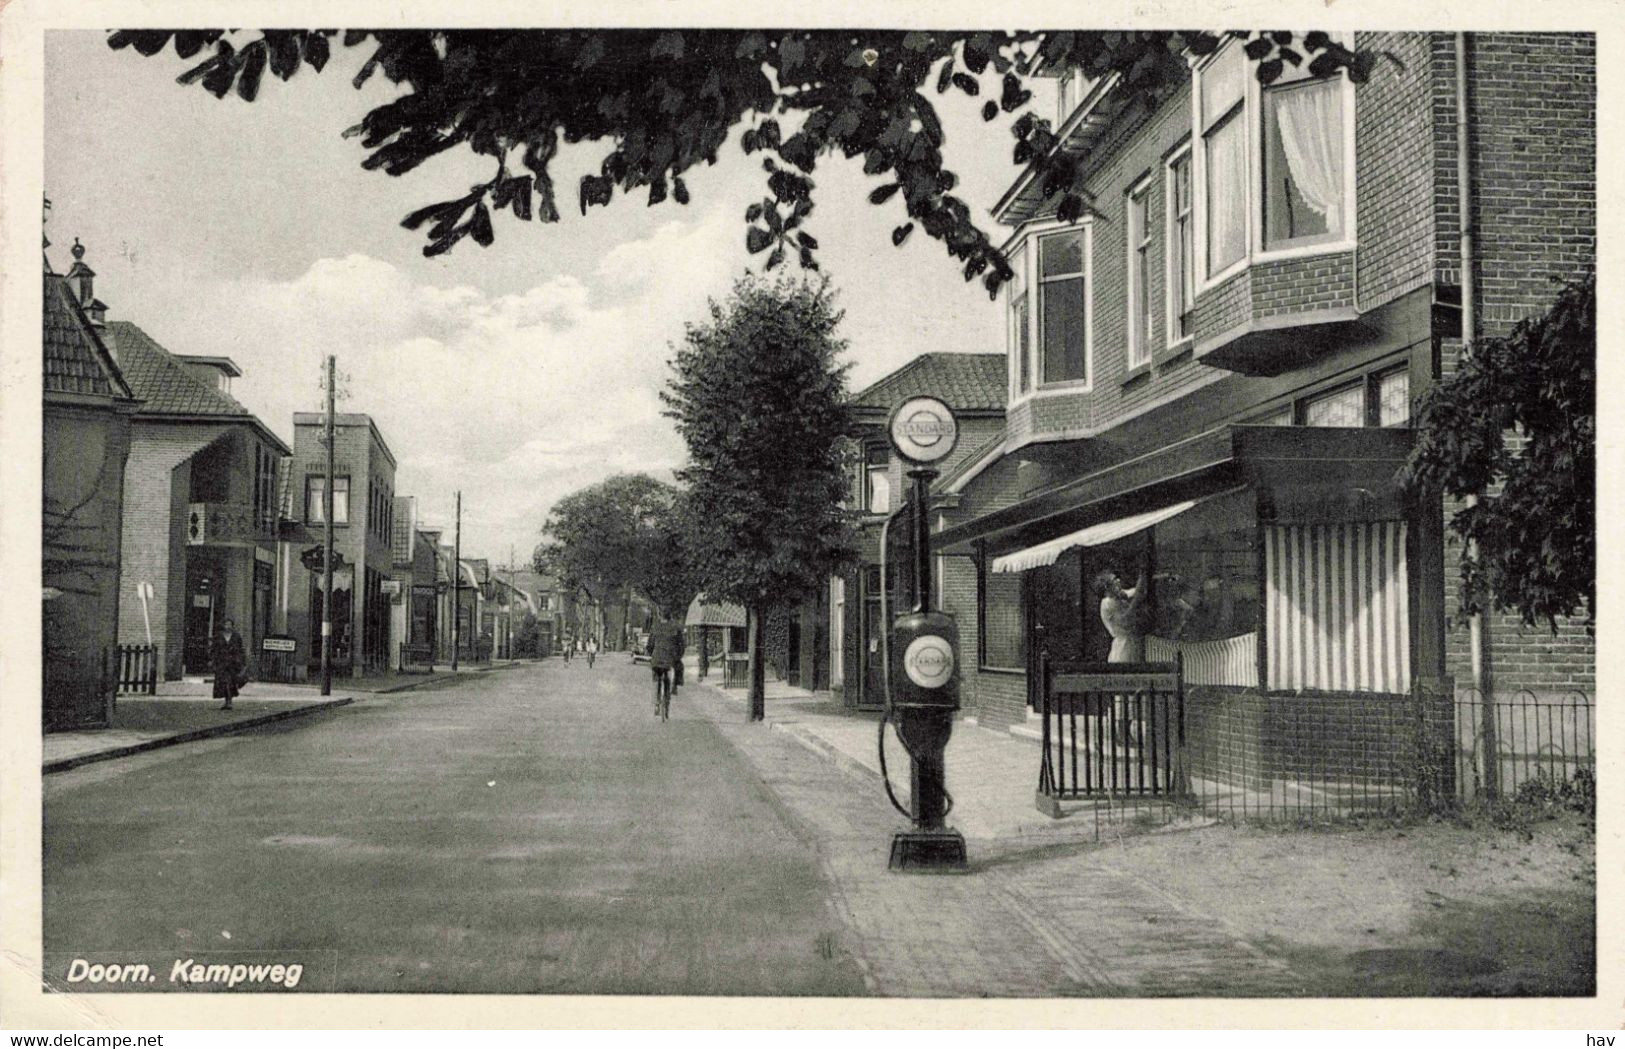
point(227, 661)
point(592, 651)
point(665, 650)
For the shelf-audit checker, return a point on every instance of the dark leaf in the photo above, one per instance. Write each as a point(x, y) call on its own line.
point(480, 226)
point(757, 239)
point(774, 259)
point(901, 233)
point(881, 194)
point(807, 240)
point(253, 68)
point(679, 190)
point(990, 109)
point(967, 84)
point(316, 51)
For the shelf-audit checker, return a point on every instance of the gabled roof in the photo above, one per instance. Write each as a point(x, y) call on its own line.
point(966, 382)
point(76, 360)
point(168, 388)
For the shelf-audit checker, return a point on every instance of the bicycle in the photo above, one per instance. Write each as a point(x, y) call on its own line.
point(662, 676)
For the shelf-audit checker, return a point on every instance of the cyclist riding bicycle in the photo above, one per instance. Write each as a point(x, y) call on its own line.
point(665, 649)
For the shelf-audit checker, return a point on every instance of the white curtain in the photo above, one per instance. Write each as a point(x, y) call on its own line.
point(1311, 126)
point(1227, 194)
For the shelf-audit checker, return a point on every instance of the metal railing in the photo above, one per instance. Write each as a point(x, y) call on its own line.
point(1110, 730)
point(1247, 755)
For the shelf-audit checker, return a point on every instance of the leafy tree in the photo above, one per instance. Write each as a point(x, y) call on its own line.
point(673, 579)
point(667, 99)
point(607, 540)
point(1516, 427)
point(760, 399)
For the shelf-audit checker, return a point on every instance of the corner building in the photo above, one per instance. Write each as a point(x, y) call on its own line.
point(1212, 374)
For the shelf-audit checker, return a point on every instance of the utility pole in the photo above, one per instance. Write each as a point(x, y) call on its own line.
point(327, 541)
point(457, 584)
point(511, 593)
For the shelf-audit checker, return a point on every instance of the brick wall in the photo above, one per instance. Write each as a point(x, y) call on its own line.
point(1532, 109)
point(84, 455)
point(153, 543)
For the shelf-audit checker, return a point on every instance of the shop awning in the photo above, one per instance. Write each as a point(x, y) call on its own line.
point(708, 613)
point(1095, 535)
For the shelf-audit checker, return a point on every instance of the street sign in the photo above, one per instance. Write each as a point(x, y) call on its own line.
point(277, 643)
point(923, 430)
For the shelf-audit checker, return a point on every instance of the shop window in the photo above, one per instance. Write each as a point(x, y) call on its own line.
point(1181, 248)
point(1063, 323)
point(314, 500)
point(1140, 328)
point(1279, 417)
point(1341, 407)
point(1001, 639)
point(1303, 161)
point(1337, 611)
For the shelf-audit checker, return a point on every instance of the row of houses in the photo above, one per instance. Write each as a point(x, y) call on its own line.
point(169, 507)
point(1208, 382)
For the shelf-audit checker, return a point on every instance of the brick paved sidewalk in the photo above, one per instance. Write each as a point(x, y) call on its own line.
point(992, 776)
point(1030, 918)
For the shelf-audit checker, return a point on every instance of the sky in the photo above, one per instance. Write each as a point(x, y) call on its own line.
point(517, 373)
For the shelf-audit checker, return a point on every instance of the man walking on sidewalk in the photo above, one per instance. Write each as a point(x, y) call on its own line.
point(227, 661)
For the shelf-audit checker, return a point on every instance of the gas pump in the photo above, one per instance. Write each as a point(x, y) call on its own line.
point(922, 680)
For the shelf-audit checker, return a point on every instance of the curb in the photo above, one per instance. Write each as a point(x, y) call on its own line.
point(813, 742)
point(230, 728)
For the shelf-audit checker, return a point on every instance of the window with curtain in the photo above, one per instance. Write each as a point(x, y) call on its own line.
point(1139, 276)
point(1303, 163)
point(1181, 249)
point(1063, 325)
point(1001, 641)
point(314, 498)
point(877, 486)
point(1222, 87)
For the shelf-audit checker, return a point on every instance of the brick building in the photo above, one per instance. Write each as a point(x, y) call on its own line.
point(973, 385)
point(1211, 374)
point(363, 539)
point(86, 442)
point(200, 506)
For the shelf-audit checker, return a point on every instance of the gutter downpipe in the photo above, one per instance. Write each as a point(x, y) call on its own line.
point(1478, 637)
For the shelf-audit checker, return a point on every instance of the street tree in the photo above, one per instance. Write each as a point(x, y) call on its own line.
point(666, 100)
point(759, 396)
point(1515, 429)
point(608, 540)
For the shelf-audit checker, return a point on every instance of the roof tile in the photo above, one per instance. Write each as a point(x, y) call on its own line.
point(964, 381)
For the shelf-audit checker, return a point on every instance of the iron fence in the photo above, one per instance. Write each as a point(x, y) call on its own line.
point(1248, 756)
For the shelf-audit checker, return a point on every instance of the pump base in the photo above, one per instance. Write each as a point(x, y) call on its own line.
point(928, 852)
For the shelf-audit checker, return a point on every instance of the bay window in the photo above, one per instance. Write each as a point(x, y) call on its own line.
point(1062, 320)
point(1048, 302)
point(1181, 248)
point(1140, 327)
point(1274, 162)
point(1222, 131)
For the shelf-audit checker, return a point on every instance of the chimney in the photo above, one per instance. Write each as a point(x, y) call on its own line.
point(82, 279)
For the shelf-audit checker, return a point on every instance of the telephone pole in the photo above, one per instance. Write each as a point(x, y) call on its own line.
point(512, 593)
point(327, 542)
point(457, 584)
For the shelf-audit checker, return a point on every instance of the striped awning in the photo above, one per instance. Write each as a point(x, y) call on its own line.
point(707, 613)
point(1095, 535)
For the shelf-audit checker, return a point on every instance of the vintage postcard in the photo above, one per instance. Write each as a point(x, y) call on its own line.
point(819, 510)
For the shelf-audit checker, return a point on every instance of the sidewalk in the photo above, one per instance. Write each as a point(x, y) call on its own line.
point(992, 775)
point(180, 715)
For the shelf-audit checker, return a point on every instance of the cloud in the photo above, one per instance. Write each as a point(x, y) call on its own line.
point(516, 399)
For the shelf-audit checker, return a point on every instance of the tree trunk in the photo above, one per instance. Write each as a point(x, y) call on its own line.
point(626, 618)
point(758, 680)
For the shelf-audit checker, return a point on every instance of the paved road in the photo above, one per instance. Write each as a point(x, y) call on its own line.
point(531, 830)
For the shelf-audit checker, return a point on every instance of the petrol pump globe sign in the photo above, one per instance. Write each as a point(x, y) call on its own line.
point(929, 661)
point(923, 430)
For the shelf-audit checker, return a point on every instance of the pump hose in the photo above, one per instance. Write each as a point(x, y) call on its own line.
point(886, 778)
